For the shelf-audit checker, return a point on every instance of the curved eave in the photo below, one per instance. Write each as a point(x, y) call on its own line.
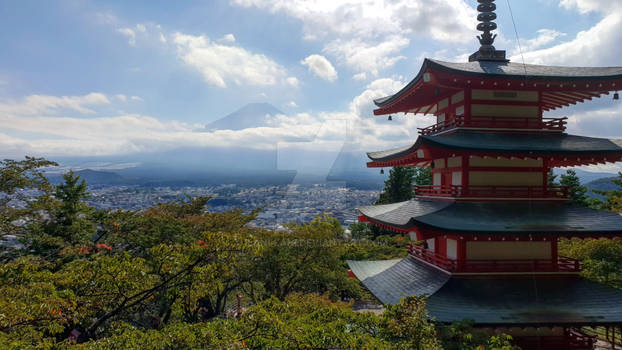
point(513, 219)
point(425, 92)
point(562, 149)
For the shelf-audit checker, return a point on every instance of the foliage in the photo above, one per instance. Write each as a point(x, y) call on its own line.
point(613, 198)
point(23, 188)
point(576, 192)
point(361, 230)
point(602, 258)
point(423, 176)
point(307, 259)
point(165, 277)
point(462, 336)
point(407, 325)
point(398, 187)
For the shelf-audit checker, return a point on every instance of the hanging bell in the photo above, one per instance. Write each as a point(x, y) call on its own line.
point(616, 96)
point(390, 118)
point(382, 171)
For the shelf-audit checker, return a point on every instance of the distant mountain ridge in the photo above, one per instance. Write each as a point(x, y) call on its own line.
point(252, 115)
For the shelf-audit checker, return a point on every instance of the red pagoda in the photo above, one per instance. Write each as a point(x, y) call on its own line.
point(490, 221)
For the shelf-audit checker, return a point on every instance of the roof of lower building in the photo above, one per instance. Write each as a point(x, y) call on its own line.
point(508, 143)
point(392, 280)
point(530, 217)
point(495, 301)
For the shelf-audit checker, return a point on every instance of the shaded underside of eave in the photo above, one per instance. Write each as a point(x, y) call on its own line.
point(513, 218)
point(512, 71)
point(507, 143)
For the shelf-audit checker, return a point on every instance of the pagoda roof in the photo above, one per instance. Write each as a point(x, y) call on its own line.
point(494, 300)
point(507, 143)
point(513, 218)
point(444, 77)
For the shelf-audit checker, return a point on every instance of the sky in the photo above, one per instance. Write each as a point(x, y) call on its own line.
point(106, 78)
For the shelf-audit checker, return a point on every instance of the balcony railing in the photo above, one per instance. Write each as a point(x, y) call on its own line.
point(550, 124)
point(528, 192)
point(562, 264)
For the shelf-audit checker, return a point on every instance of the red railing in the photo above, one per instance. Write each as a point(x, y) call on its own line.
point(452, 191)
point(419, 252)
point(554, 124)
point(563, 264)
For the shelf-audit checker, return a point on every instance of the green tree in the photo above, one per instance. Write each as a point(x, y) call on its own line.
point(423, 176)
point(70, 219)
point(399, 186)
point(408, 326)
point(613, 198)
point(307, 259)
point(602, 258)
point(360, 230)
point(576, 191)
point(22, 182)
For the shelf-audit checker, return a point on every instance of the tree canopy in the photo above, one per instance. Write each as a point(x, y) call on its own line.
point(179, 276)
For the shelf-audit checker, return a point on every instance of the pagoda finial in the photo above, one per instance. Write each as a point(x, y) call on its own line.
point(486, 16)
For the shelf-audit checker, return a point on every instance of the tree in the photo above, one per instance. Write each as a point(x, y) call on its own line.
point(68, 220)
point(602, 258)
point(423, 176)
point(407, 325)
point(576, 191)
point(613, 198)
point(307, 259)
point(399, 186)
point(360, 230)
point(23, 187)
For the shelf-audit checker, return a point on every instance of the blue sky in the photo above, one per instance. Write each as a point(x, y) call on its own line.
point(128, 77)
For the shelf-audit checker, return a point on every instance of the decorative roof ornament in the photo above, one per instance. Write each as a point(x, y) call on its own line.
point(486, 16)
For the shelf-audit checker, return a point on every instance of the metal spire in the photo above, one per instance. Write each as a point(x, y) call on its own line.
point(486, 16)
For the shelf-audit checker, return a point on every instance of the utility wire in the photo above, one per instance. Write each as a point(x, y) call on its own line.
point(520, 49)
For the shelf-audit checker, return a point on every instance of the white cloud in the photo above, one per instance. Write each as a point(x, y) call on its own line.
point(292, 81)
point(545, 37)
point(597, 46)
point(360, 76)
point(137, 98)
point(321, 67)
point(130, 34)
point(292, 104)
point(585, 6)
point(121, 97)
point(135, 133)
point(368, 57)
point(43, 104)
point(148, 32)
point(229, 38)
point(223, 64)
point(380, 28)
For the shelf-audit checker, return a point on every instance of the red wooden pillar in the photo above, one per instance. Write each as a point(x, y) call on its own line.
point(461, 253)
point(465, 171)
